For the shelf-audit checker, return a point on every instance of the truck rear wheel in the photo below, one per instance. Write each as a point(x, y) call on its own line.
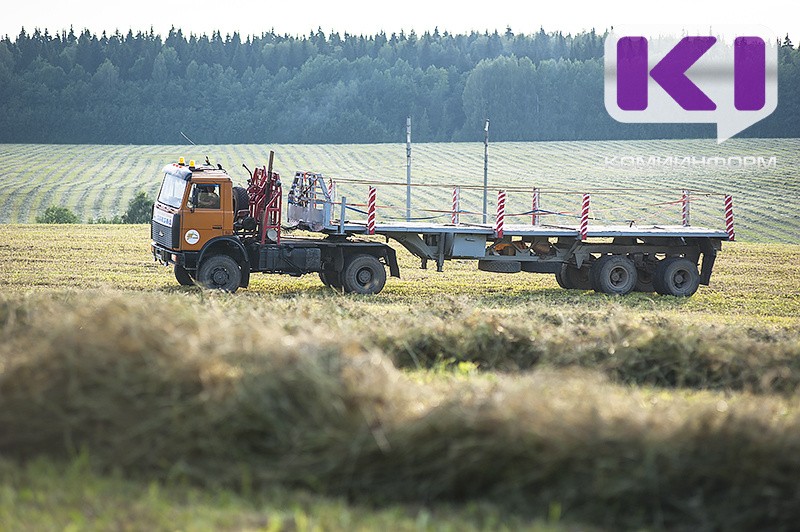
point(614, 274)
point(363, 274)
point(182, 276)
point(331, 278)
point(220, 272)
point(676, 276)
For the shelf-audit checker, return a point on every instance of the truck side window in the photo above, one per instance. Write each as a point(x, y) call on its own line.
point(207, 196)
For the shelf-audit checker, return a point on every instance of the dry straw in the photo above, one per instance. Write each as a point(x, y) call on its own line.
point(156, 387)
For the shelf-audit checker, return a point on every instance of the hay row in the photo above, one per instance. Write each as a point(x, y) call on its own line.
point(153, 387)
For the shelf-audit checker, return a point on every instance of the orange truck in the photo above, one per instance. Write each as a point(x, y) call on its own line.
point(216, 234)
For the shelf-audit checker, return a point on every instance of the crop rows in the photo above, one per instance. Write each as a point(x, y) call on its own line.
point(98, 181)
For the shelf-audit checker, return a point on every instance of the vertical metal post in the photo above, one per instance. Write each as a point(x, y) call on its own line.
point(500, 220)
point(371, 206)
point(729, 217)
point(486, 171)
point(342, 215)
point(455, 214)
point(584, 228)
point(535, 207)
point(685, 208)
point(408, 169)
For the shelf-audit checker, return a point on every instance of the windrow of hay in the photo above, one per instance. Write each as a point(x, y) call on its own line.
point(626, 348)
point(156, 387)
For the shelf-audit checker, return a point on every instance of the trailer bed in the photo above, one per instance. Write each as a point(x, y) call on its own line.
point(523, 230)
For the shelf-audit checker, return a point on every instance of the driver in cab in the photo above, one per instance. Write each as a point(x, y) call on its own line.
point(207, 197)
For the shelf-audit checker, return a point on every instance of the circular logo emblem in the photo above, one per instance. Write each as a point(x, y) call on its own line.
point(192, 237)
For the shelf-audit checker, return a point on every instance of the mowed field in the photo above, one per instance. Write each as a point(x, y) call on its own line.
point(630, 181)
point(457, 400)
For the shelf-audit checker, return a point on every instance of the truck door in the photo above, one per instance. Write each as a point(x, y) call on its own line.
point(203, 218)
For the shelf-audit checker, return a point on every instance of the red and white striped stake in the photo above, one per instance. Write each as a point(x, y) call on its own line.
point(585, 217)
point(729, 217)
point(371, 211)
point(535, 207)
point(500, 221)
point(685, 208)
point(454, 216)
point(332, 189)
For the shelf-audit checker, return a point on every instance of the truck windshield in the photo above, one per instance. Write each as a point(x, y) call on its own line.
point(172, 191)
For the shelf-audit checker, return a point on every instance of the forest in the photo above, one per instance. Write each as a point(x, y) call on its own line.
point(141, 88)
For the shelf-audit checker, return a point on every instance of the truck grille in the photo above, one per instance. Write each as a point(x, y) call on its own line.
point(162, 235)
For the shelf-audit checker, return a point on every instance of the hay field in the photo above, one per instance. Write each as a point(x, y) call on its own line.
point(98, 181)
point(455, 400)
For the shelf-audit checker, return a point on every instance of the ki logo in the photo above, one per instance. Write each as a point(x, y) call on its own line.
point(730, 79)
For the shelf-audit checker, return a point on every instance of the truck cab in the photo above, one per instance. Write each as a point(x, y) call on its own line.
point(193, 211)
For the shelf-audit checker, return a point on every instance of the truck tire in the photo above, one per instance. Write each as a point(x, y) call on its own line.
point(183, 276)
point(219, 272)
point(614, 274)
point(331, 278)
point(572, 277)
point(645, 270)
point(560, 278)
point(676, 276)
point(644, 281)
point(241, 201)
point(500, 266)
point(363, 274)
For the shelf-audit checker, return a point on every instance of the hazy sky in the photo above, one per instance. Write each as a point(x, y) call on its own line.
point(368, 17)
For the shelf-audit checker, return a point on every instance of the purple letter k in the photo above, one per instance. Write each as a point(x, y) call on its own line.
point(670, 73)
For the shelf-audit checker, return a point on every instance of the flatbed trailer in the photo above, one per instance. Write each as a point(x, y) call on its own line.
point(613, 259)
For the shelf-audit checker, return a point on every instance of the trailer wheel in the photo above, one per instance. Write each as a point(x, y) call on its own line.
point(614, 274)
point(220, 272)
point(676, 276)
point(241, 201)
point(183, 276)
point(572, 277)
point(645, 271)
point(644, 281)
point(363, 274)
point(500, 266)
point(331, 278)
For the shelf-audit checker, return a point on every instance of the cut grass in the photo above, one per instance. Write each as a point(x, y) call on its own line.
point(159, 389)
point(45, 496)
point(445, 393)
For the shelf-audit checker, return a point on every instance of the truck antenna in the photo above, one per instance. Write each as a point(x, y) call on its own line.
point(187, 138)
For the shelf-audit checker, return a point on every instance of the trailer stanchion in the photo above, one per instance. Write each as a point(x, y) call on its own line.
point(685, 208)
point(585, 217)
point(332, 189)
point(454, 216)
point(501, 213)
point(535, 207)
point(342, 215)
point(729, 217)
point(371, 211)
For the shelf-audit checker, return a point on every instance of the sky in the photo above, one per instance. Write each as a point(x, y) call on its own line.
point(369, 17)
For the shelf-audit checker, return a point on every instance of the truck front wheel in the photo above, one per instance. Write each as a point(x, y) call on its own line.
point(363, 274)
point(220, 272)
point(182, 276)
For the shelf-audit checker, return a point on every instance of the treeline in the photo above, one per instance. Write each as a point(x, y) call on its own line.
point(142, 89)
